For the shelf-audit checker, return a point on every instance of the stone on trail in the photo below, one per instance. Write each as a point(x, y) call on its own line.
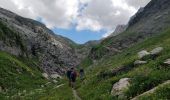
point(143, 53)
point(139, 62)
point(156, 51)
point(119, 87)
point(45, 75)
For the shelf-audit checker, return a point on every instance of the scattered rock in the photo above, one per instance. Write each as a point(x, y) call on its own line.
point(139, 62)
point(19, 94)
point(156, 51)
point(24, 91)
point(42, 86)
point(45, 75)
point(55, 76)
point(167, 62)
point(143, 53)
point(55, 81)
point(120, 87)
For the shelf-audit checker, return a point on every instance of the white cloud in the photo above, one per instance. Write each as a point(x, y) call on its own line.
point(96, 15)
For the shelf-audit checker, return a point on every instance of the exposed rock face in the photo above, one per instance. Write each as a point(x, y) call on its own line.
point(120, 87)
point(151, 19)
point(30, 38)
point(119, 29)
point(143, 53)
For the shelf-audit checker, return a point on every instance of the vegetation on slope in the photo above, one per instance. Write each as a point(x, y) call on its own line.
point(21, 78)
point(99, 81)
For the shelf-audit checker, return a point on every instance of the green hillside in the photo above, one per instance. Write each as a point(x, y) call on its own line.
point(21, 79)
point(100, 79)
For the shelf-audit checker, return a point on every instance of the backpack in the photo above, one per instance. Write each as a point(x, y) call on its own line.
point(73, 74)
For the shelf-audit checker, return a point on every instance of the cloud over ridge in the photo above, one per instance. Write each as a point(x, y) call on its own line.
point(94, 15)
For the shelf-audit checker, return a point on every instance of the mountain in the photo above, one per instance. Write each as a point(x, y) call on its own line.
point(147, 22)
point(29, 38)
point(115, 69)
point(119, 29)
point(134, 64)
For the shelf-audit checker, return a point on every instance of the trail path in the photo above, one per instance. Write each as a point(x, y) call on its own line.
point(76, 95)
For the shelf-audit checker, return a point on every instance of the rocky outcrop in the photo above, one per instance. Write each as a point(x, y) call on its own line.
point(29, 38)
point(119, 29)
point(120, 87)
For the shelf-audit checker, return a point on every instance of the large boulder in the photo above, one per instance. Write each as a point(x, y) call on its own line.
point(45, 75)
point(55, 76)
point(139, 62)
point(119, 88)
point(156, 51)
point(143, 53)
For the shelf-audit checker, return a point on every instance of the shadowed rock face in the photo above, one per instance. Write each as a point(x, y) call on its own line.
point(55, 52)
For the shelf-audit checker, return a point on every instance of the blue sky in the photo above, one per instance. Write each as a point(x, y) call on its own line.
point(78, 20)
point(79, 37)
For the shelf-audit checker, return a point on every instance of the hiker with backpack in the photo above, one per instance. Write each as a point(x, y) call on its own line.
point(73, 77)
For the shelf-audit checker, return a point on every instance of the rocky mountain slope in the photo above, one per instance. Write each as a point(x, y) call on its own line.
point(26, 37)
point(147, 22)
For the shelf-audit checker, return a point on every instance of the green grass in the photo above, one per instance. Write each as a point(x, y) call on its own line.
point(21, 79)
point(143, 77)
point(162, 93)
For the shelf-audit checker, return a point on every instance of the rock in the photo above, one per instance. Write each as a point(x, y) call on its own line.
point(42, 86)
point(167, 62)
point(120, 87)
point(45, 75)
point(24, 91)
point(143, 53)
point(139, 62)
point(156, 51)
point(55, 76)
point(55, 81)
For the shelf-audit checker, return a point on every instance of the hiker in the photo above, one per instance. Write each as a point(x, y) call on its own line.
point(68, 76)
point(81, 74)
point(73, 77)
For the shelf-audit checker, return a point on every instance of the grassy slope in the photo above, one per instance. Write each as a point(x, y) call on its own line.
point(21, 79)
point(98, 87)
